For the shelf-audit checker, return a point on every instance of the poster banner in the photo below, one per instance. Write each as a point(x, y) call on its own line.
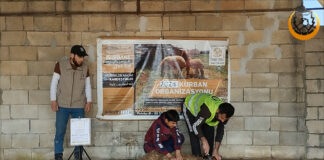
point(141, 78)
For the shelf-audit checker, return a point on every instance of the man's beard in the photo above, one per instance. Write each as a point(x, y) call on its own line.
point(76, 63)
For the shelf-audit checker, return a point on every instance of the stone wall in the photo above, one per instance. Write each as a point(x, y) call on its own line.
point(276, 80)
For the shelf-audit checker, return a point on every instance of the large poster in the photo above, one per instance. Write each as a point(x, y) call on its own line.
point(141, 78)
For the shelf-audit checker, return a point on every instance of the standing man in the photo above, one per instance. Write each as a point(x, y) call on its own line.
point(164, 136)
point(202, 113)
point(70, 95)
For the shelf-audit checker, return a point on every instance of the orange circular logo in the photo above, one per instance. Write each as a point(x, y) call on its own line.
point(303, 36)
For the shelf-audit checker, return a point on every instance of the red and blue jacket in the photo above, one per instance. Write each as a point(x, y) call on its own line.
point(158, 133)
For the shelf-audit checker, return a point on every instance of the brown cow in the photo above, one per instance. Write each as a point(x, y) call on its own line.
point(198, 66)
point(172, 66)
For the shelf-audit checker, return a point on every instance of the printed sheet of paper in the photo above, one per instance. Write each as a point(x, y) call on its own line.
point(80, 131)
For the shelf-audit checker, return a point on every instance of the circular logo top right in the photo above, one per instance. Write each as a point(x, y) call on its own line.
point(303, 25)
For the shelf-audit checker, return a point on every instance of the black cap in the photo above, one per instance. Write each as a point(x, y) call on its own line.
point(79, 50)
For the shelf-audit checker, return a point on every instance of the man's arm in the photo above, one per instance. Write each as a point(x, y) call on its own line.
point(88, 93)
point(218, 140)
point(53, 88)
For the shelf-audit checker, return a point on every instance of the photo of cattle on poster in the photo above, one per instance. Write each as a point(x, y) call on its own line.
point(139, 79)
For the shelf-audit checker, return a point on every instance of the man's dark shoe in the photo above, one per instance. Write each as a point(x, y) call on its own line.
point(77, 156)
point(59, 156)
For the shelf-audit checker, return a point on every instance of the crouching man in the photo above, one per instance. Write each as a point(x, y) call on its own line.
point(164, 136)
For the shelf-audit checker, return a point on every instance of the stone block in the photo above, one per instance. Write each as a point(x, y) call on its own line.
point(314, 58)
point(265, 109)
point(24, 82)
point(15, 97)
point(236, 123)
point(235, 65)
point(234, 22)
point(143, 126)
point(229, 5)
point(292, 138)
point(42, 153)
point(41, 6)
point(321, 113)
point(255, 4)
point(265, 80)
point(291, 51)
point(258, 65)
point(107, 139)
point(283, 95)
point(2, 23)
point(24, 112)
point(67, 38)
point(13, 38)
point(13, 7)
point(301, 124)
point(256, 94)
point(41, 38)
point(253, 36)
point(315, 72)
point(281, 37)
point(242, 109)
point(269, 52)
point(101, 23)
point(257, 123)
point(5, 141)
point(97, 6)
point(21, 126)
point(236, 94)
point(76, 23)
point(44, 82)
point(255, 152)
point(283, 65)
point(238, 51)
point(13, 68)
point(101, 125)
point(314, 45)
point(41, 68)
point(207, 23)
point(46, 140)
point(241, 80)
point(45, 112)
point(4, 53)
point(311, 113)
point(132, 138)
point(129, 6)
point(4, 82)
point(165, 23)
point(313, 140)
point(266, 138)
point(232, 151)
point(51, 24)
point(288, 152)
point(315, 126)
point(182, 23)
point(151, 23)
point(283, 124)
point(291, 109)
point(21, 53)
point(4, 112)
point(118, 126)
point(261, 22)
point(201, 5)
point(15, 154)
point(28, 22)
point(315, 153)
point(287, 80)
point(239, 137)
point(314, 86)
point(42, 126)
point(176, 5)
point(25, 141)
point(157, 5)
point(39, 97)
point(14, 23)
point(315, 100)
point(50, 53)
